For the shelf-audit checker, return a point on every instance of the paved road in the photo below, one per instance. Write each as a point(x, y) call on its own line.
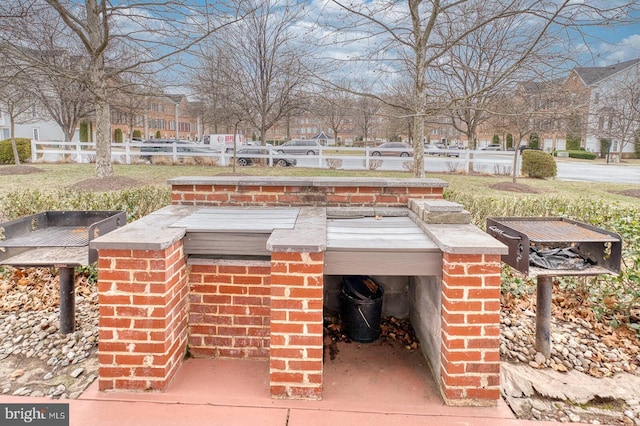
point(498, 162)
point(586, 172)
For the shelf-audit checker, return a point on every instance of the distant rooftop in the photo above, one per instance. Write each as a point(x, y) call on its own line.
point(592, 75)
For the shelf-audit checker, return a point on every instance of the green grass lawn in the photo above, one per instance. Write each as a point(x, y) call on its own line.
point(60, 176)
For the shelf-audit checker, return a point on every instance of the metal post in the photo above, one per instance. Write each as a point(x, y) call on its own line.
point(67, 300)
point(543, 315)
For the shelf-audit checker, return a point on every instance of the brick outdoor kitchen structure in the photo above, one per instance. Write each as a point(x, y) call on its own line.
point(246, 267)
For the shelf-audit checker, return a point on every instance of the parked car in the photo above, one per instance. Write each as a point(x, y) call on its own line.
point(249, 156)
point(432, 149)
point(523, 147)
point(441, 150)
point(300, 147)
point(164, 145)
point(393, 149)
point(492, 147)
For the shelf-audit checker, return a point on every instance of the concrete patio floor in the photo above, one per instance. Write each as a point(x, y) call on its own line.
point(367, 384)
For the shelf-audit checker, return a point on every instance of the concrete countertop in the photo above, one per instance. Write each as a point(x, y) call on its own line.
point(308, 181)
point(152, 232)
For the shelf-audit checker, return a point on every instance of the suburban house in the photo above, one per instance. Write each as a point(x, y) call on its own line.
point(609, 112)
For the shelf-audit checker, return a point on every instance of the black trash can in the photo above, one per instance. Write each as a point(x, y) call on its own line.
point(360, 309)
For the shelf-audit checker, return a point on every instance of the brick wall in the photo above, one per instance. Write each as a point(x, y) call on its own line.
point(229, 309)
point(295, 366)
point(143, 318)
point(291, 195)
point(470, 357)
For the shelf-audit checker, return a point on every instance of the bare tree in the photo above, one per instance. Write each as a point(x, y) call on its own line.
point(366, 109)
point(336, 106)
point(483, 64)
point(17, 101)
point(117, 38)
point(413, 37)
point(262, 63)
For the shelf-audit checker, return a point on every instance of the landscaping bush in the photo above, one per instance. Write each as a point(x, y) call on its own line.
point(605, 145)
point(580, 154)
point(136, 202)
point(538, 164)
point(573, 143)
point(84, 132)
point(117, 135)
point(534, 141)
point(137, 134)
point(6, 150)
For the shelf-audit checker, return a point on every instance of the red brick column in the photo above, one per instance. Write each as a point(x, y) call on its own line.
point(470, 359)
point(229, 309)
point(143, 317)
point(295, 366)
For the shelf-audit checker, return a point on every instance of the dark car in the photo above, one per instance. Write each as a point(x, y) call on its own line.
point(300, 147)
point(249, 156)
point(448, 151)
point(164, 145)
point(492, 147)
point(524, 147)
point(393, 149)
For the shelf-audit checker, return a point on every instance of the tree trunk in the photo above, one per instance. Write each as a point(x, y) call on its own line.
point(418, 145)
point(103, 138)
point(16, 156)
point(104, 168)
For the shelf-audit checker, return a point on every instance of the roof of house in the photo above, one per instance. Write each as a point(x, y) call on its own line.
point(322, 135)
point(592, 75)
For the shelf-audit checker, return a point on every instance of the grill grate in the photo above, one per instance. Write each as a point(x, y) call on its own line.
point(556, 231)
point(58, 236)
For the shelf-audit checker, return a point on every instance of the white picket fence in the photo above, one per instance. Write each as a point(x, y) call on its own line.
point(347, 158)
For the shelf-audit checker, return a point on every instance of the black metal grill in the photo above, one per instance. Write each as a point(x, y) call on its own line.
point(57, 238)
point(529, 237)
point(603, 249)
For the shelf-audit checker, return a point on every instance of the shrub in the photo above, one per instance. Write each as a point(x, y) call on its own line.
point(117, 135)
point(538, 164)
point(605, 145)
point(580, 154)
point(137, 134)
point(84, 131)
point(509, 140)
point(136, 202)
point(333, 163)
point(158, 134)
point(6, 150)
point(573, 142)
point(496, 139)
point(534, 141)
point(373, 164)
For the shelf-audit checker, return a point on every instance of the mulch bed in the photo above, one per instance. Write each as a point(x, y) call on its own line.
point(515, 187)
point(630, 193)
point(112, 183)
point(18, 170)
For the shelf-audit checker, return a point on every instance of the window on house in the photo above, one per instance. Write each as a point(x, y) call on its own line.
point(172, 125)
point(596, 98)
point(36, 133)
point(600, 123)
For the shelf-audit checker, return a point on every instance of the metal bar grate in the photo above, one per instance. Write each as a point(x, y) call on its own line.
point(57, 236)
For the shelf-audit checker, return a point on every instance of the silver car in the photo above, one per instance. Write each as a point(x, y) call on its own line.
point(300, 147)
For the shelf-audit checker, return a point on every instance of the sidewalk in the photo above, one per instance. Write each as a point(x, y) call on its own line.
point(361, 387)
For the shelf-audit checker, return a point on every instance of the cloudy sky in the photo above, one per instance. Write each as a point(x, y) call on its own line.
point(613, 44)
